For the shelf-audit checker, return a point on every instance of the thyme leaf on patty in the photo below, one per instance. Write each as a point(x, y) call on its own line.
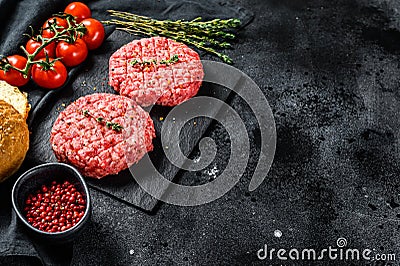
point(174, 59)
point(110, 125)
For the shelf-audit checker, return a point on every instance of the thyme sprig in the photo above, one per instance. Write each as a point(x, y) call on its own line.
point(205, 35)
point(174, 59)
point(110, 125)
point(60, 34)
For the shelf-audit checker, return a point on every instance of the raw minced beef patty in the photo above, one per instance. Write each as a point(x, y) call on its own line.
point(82, 137)
point(156, 70)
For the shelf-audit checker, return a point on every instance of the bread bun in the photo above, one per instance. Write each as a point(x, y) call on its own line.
point(15, 97)
point(14, 140)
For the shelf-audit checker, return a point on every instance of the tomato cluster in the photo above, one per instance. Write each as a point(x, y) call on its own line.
point(49, 65)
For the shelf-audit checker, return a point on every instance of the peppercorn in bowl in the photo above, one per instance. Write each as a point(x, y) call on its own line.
point(52, 201)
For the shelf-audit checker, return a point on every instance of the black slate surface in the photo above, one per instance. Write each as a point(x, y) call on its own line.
point(330, 72)
point(92, 77)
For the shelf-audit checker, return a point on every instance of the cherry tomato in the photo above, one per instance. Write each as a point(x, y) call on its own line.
point(79, 10)
point(32, 45)
point(94, 35)
point(47, 33)
point(72, 54)
point(50, 78)
point(12, 76)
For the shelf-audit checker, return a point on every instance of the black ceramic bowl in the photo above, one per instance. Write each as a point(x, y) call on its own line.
point(32, 180)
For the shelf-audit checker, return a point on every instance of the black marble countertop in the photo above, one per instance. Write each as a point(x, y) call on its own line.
point(330, 71)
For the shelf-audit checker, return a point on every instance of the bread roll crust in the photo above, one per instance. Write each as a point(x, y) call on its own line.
point(14, 140)
point(15, 97)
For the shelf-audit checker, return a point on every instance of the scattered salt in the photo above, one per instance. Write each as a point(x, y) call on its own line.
point(278, 233)
point(212, 173)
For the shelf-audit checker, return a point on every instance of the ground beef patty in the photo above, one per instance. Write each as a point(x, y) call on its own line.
point(156, 70)
point(100, 133)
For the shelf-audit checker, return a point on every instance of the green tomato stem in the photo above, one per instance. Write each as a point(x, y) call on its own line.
point(63, 35)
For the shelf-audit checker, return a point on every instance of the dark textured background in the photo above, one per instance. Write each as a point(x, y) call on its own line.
point(330, 72)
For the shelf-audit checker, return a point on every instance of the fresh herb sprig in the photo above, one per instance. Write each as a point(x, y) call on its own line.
point(110, 125)
point(174, 59)
point(205, 35)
